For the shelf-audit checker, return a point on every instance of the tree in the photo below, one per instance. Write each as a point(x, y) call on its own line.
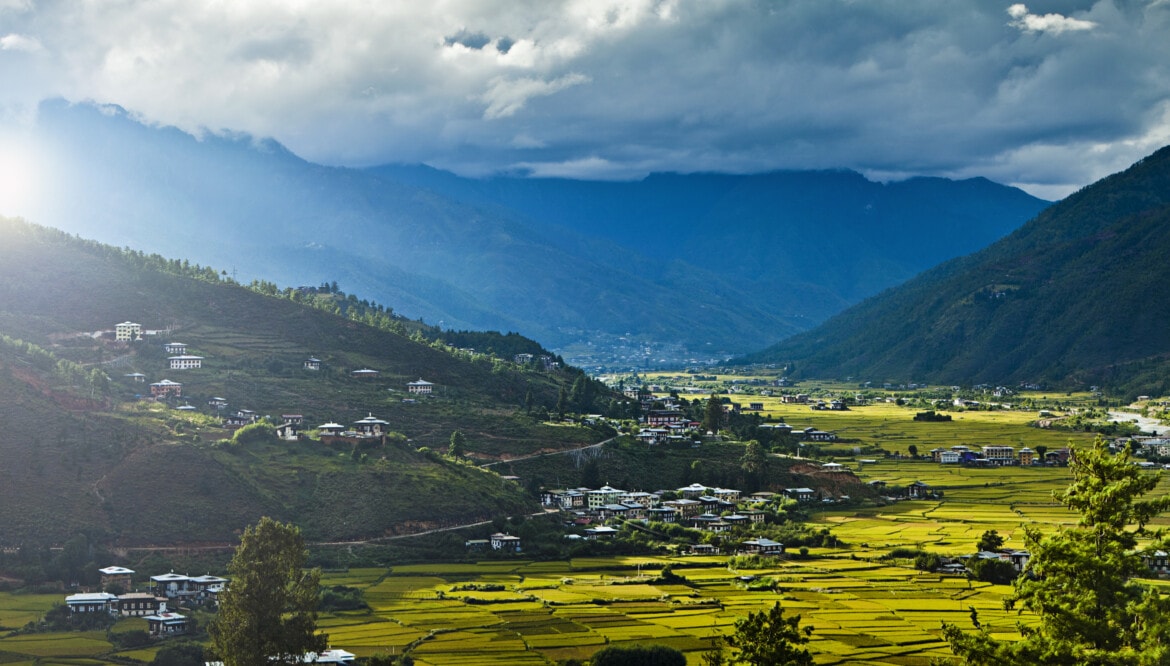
point(913, 449)
point(1081, 581)
point(458, 448)
point(990, 541)
point(268, 614)
point(767, 638)
point(638, 655)
point(713, 415)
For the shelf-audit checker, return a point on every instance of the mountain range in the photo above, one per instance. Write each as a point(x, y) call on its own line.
point(1072, 298)
point(673, 267)
point(80, 451)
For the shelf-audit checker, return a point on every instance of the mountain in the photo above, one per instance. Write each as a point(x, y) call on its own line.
point(1071, 298)
point(704, 264)
point(80, 451)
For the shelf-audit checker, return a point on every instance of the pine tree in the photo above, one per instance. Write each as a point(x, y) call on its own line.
point(1082, 582)
point(268, 614)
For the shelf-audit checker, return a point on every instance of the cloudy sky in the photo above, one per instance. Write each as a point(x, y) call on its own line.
point(1048, 96)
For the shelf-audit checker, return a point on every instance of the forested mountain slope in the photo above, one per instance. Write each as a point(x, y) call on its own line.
point(79, 450)
point(1071, 298)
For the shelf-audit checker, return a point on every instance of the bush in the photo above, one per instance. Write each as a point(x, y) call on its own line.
point(638, 655)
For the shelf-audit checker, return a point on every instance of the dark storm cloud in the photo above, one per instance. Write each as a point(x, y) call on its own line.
point(1047, 95)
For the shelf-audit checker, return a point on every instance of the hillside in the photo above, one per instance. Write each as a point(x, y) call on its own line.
point(705, 265)
point(1071, 298)
point(80, 452)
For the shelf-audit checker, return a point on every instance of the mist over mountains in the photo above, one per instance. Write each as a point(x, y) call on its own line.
point(673, 268)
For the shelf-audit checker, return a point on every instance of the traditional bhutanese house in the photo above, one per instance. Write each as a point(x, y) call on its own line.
point(634, 511)
point(136, 376)
point(371, 426)
point(505, 542)
point(185, 362)
point(1027, 456)
point(208, 587)
point(595, 499)
point(949, 458)
point(662, 514)
point(762, 546)
point(1157, 561)
point(420, 387)
point(918, 489)
point(139, 604)
point(800, 494)
point(172, 586)
point(331, 429)
point(754, 515)
point(166, 388)
point(692, 491)
point(116, 576)
point(91, 602)
point(217, 403)
point(238, 420)
point(833, 467)
point(607, 511)
point(365, 373)
point(166, 624)
point(762, 496)
point(127, 331)
point(312, 364)
point(737, 520)
point(686, 508)
point(186, 408)
point(477, 545)
point(600, 532)
point(648, 500)
point(177, 348)
point(726, 494)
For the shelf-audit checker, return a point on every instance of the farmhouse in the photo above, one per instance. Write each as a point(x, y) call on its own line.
point(420, 387)
point(177, 348)
point(166, 624)
point(505, 542)
point(166, 388)
point(371, 426)
point(312, 364)
point(91, 602)
point(762, 546)
point(116, 576)
point(365, 373)
point(136, 376)
point(139, 604)
point(800, 494)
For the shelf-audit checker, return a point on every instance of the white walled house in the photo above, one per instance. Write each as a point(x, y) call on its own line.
point(185, 362)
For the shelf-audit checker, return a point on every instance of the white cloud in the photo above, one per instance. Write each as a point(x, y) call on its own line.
point(505, 97)
point(15, 42)
point(1054, 23)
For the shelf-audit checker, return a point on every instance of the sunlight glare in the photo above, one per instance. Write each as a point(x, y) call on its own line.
point(19, 181)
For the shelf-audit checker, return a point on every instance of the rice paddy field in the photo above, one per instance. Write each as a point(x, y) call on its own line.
point(864, 607)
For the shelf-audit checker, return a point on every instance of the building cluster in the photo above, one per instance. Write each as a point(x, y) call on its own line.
point(705, 508)
point(170, 589)
point(997, 456)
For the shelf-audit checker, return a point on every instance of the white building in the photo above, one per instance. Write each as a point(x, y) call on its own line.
point(421, 387)
point(185, 362)
point(127, 331)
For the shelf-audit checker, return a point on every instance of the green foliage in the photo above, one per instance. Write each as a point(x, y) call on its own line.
point(713, 417)
point(341, 597)
point(995, 571)
point(182, 653)
point(268, 613)
point(767, 638)
point(254, 433)
point(1082, 582)
point(638, 655)
point(458, 446)
point(990, 541)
